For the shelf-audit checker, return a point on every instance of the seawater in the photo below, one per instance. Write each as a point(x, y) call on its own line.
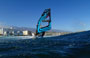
point(49, 47)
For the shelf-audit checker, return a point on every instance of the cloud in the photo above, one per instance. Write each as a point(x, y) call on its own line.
point(79, 25)
point(3, 25)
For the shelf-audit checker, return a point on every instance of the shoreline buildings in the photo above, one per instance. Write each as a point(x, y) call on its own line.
point(25, 32)
point(14, 32)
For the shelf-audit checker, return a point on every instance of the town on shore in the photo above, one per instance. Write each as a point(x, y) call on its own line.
point(18, 32)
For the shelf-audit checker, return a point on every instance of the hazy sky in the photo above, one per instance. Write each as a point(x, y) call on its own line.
point(70, 15)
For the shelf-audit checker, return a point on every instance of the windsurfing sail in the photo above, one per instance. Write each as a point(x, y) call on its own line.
point(44, 23)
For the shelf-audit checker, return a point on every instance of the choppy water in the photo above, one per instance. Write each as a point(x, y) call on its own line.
point(51, 47)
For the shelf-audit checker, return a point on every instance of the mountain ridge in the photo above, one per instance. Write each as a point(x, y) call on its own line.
point(32, 29)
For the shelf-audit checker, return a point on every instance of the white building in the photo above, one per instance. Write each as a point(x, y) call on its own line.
point(1, 31)
point(26, 33)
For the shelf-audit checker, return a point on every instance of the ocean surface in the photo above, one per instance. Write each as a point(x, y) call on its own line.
point(67, 46)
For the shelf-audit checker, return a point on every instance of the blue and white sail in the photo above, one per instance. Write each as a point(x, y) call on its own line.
point(44, 23)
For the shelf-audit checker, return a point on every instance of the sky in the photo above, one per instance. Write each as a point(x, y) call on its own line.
point(68, 15)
